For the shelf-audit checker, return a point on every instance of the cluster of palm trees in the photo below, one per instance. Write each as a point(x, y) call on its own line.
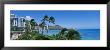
point(35, 31)
point(43, 25)
point(64, 34)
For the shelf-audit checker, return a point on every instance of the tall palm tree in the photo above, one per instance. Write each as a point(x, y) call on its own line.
point(27, 26)
point(32, 23)
point(24, 23)
point(44, 22)
point(42, 25)
point(49, 20)
point(46, 18)
point(52, 20)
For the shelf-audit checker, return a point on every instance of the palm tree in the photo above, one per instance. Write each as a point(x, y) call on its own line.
point(42, 25)
point(32, 23)
point(52, 20)
point(27, 26)
point(46, 18)
point(24, 23)
point(44, 22)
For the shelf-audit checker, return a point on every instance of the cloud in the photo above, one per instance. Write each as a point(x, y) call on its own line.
point(28, 18)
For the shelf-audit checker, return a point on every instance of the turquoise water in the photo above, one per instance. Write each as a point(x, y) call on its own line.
point(86, 34)
point(51, 32)
point(89, 34)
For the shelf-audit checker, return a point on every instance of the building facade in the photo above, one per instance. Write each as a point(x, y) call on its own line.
point(18, 22)
point(14, 20)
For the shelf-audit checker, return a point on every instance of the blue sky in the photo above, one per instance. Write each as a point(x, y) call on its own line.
point(80, 19)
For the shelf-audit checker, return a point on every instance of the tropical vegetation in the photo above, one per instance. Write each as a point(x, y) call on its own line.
point(32, 34)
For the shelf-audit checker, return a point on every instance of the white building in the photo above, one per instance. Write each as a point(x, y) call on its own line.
point(18, 22)
point(14, 20)
point(21, 22)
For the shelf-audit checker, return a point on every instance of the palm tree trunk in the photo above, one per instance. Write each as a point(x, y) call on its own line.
point(42, 31)
point(38, 29)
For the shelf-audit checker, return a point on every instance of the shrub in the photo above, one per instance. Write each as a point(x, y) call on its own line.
point(65, 34)
point(73, 35)
point(68, 34)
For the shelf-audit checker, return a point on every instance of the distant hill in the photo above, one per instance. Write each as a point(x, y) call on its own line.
point(56, 27)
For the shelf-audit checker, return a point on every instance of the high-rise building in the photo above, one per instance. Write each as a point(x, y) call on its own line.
point(22, 21)
point(14, 20)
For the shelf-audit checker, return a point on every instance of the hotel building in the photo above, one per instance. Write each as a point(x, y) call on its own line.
point(16, 21)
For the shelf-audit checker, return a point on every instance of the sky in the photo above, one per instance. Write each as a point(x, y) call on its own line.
point(80, 19)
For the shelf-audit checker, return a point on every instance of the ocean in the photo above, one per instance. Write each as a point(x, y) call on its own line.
point(89, 34)
point(86, 34)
